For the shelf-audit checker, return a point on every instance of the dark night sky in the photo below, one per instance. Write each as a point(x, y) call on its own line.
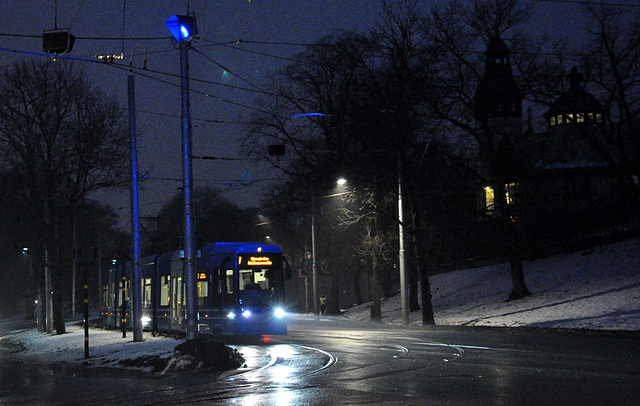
point(219, 21)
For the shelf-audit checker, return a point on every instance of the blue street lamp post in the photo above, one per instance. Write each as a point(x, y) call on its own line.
point(183, 29)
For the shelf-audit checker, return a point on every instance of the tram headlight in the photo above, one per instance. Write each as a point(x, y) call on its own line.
point(246, 313)
point(279, 312)
point(145, 320)
point(231, 315)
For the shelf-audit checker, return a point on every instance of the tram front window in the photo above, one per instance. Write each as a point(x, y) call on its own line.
point(254, 287)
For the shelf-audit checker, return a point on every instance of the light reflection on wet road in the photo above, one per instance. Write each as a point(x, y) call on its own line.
point(327, 362)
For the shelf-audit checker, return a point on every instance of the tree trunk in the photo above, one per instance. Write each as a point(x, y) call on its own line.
point(512, 243)
point(428, 318)
point(518, 286)
point(376, 311)
point(414, 305)
point(58, 295)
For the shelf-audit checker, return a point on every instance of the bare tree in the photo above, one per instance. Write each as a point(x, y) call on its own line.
point(612, 63)
point(64, 139)
point(375, 240)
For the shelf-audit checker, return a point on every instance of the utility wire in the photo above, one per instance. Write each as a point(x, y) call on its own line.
point(229, 70)
point(592, 3)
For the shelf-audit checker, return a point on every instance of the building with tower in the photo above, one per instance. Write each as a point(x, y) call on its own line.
point(559, 184)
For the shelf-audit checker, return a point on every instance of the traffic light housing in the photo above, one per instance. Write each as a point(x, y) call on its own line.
point(57, 42)
point(182, 27)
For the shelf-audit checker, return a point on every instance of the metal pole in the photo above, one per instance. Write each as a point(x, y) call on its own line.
point(401, 257)
point(314, 273)
point(86, 308)
point(306, 294)
point(48, 292)
point(136, 289)
point(124, 305)
point(189, 257)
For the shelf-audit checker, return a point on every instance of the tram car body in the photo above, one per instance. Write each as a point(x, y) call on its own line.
point(240, 290)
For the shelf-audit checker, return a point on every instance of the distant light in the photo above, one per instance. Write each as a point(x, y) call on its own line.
point(341, 182)
point(308, 114)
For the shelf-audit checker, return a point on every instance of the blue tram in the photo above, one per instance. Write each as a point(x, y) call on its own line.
point(240, 290)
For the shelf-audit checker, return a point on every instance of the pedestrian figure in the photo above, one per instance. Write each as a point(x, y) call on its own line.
point(323, 304)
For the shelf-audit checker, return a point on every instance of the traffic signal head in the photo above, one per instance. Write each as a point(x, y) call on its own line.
point(57, 42)
point(182, 27)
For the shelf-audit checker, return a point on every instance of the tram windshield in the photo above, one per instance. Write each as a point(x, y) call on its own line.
point(259, 282)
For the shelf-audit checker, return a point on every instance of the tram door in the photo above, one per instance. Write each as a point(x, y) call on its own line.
point(177, 309)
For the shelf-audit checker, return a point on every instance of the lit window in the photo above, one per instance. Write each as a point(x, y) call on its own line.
point(511, 192)
point(146, 292)
point(203, 292)
point(553, 121)
point(165, 290)
point(559, 120)
point(580, 117)
point(598, 117)
point(489, 199)
point(591, 117)
point(569, 118)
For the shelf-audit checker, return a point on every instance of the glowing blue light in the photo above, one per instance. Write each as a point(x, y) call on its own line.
point(308, 114)
point(182, 27)
point(184, 31)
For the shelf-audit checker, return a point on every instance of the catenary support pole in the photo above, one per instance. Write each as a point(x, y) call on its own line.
point(401, 254)
point(136, 289)
point(189, 257)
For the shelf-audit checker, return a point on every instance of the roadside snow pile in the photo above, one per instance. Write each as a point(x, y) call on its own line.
point(203, 353)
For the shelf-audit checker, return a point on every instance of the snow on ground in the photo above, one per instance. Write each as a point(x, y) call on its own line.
point(596, 289)
point(106, 347)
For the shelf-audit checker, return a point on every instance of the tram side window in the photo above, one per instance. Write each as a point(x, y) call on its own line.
point(107, 300)
point(123, 292)
point(146, 292)
point(165, 287)
point(230, 284)
point(178, 291)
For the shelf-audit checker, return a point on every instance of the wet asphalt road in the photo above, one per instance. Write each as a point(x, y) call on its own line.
point(326, 361)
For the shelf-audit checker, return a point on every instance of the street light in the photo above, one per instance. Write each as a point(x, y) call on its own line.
point(183, 29)
point(314, 272)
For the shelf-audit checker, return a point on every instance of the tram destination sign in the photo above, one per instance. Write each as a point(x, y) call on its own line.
point(257, 260)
